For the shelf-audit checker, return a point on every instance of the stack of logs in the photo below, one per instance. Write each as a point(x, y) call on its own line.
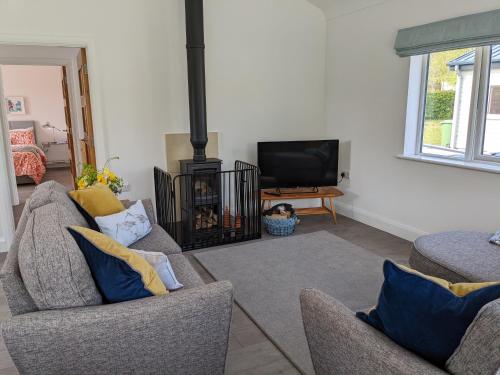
point(206, 218)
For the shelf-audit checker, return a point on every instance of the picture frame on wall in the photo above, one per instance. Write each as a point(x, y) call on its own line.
point(15, 105)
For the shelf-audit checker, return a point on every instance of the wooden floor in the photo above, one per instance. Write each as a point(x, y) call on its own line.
point(250, 351)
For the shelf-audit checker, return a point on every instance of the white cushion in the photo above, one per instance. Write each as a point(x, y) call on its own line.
point(126, 227)
point(163, 267)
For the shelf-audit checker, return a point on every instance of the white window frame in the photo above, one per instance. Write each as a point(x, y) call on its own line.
point(417, 90)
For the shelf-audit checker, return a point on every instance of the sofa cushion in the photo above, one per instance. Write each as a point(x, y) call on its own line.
point(18, 298)
point(157, 240)
point(97, 200)
point(120, 273)
point(52, 266)
point(126, 227)
point(457, 256)
point(479, 350)
point(426, 315)
point(184, 271)
point(163, 267)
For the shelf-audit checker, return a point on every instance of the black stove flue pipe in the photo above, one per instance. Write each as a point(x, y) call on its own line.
point(195, 45)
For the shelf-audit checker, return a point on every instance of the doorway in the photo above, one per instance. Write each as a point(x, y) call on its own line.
point(47, 118)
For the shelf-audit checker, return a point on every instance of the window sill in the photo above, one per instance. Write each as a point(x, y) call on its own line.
point(473, 165)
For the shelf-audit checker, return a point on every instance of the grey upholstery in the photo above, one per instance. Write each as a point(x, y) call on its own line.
point(184, 271)
point(157, 240)
point(457, 256)
point(18, 298)
point(342, 344)
point(479, 351)
point(52, 265)
point(183, 332)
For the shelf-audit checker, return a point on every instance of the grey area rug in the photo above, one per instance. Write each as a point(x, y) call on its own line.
point(269, 275)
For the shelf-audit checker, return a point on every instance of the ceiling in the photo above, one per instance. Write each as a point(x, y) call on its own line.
point(335, 8)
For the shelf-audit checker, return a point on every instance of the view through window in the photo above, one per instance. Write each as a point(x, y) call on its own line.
point(447, 103)
point(491, 138)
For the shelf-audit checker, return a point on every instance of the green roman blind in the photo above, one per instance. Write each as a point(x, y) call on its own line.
point(468, 31)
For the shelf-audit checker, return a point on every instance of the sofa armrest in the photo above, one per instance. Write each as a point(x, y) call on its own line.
point(184, 332)
point(340, 343)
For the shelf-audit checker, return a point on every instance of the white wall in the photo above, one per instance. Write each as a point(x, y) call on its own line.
point(265, 72)
point(366, 103)
point(40, 86)
point(265, 65)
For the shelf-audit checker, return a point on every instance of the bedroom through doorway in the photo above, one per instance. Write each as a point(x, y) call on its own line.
point(46, 139)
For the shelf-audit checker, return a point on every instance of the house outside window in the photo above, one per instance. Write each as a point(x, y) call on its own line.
point(454, 107)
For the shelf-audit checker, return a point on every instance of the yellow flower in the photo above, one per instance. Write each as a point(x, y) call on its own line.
point(82, 184)
point(112, 176)
point(101, 179)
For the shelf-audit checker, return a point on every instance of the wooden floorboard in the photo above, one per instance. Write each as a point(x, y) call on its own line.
point(250, 351)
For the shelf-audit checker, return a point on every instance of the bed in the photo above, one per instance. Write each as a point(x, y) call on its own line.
point(29, 159)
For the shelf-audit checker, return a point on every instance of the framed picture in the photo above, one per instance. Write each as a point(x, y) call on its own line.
point(15, 105)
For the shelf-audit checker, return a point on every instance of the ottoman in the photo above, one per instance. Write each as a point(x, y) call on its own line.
point(458, 256)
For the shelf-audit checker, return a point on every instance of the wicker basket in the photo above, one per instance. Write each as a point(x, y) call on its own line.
point(280, 227)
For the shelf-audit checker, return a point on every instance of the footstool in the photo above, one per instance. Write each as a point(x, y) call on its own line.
point(458, 256)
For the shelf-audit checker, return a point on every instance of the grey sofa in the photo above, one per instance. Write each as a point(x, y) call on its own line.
point(184, 332)
point(342, 344)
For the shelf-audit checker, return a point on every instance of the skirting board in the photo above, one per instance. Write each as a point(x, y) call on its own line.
point(380, 222)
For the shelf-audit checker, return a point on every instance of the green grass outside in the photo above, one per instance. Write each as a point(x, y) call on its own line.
point(432, 132)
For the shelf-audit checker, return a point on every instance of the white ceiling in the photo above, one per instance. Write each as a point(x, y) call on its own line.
point(335, 8)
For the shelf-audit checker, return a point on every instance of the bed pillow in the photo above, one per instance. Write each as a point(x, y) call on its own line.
point(162, 265)
point(96, 200)
point(120, 274)
point(427, 315)
point(126, 227)
point(22, 136)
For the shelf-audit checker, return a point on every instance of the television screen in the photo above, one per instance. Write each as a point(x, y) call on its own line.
point(298, 163)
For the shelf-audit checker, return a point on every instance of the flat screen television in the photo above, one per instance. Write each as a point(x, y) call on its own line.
point(298, 163)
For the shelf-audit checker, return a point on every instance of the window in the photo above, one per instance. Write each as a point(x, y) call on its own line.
point(494, 102)
point(454, 106)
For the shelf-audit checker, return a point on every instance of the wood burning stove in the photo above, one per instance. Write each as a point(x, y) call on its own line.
point(209, 207)
point(203, 205)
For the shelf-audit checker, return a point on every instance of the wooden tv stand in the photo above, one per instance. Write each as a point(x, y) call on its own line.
point(324, 193)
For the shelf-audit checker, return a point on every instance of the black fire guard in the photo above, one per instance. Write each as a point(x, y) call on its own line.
point(206, 209)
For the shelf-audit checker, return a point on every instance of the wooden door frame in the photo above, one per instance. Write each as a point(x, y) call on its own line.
point(7, 192)
point(69, 124)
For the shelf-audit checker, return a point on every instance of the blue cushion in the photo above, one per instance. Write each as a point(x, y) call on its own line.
point(422, 315)
point(119, 273)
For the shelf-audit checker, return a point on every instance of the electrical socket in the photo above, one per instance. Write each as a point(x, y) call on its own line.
point(346, 175)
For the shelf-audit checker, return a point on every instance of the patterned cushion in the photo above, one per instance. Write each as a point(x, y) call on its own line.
point(52, 266)
point(22, 136)
point(426, 315)
point(121, 274)
point(479, 351)
point(126, 227)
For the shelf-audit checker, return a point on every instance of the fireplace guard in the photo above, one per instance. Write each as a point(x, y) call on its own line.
point(203, 209)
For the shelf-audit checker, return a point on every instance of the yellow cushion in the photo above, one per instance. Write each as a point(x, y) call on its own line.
point(458, 289)
point(120, 273)
point(97, 200)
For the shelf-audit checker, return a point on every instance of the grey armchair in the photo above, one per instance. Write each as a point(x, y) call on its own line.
point(342, 344)
point(184, 332)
